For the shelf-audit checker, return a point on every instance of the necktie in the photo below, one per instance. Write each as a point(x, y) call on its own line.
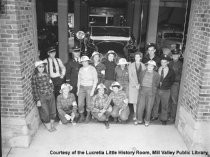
point(53, 64)
point(161, 76)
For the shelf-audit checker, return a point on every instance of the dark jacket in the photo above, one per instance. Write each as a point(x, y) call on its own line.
point(72, 70)
point(177, 67)
point(168, 80)
point(156, 59)
point(110, 69)
point(155, 81)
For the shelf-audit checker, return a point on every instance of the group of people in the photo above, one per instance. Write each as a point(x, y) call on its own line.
point(101, 87)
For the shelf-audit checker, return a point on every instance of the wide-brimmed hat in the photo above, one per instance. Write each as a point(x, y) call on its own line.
point(84, 58)
point(66, 85)
point(111, 52)
point(51, 49)
point(151, 62)
point(37, 63)
point(122, 61)
point(115, 84)
point(101, 85)
point(96, 53)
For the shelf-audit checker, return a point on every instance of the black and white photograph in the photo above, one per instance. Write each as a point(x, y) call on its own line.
point(109, 78)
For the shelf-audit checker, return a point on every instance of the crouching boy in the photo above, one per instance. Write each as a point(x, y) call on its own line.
point(66, 105)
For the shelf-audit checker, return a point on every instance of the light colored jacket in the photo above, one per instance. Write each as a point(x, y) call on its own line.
point(133, 82)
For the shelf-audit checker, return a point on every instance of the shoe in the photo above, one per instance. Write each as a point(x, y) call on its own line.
point(88, 117)
point(154, 118)
point(73, 123)
point(60, 122)
point(115, 120)
point(106, 124)
point(137, 122)
point(146, 124)
point(164, 122)
point(81, 118)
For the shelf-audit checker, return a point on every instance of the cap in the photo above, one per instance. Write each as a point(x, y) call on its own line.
point(151, 45)
point(176, 52)
point(76, 49)
point(51, 49)
point(165, 57)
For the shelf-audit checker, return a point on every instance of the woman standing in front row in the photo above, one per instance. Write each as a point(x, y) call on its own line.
point(134, 83)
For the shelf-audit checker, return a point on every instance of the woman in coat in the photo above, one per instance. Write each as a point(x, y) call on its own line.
point(134, 70)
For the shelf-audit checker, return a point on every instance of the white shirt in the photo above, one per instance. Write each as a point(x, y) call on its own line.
point(57, 73)
point(165, 71)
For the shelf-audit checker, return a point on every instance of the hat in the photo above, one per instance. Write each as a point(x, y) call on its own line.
point(101, 85)
point(151, 45)
point(111, 52)
point(66, 85)
point(96, 53)
point(76, 49)
point(151, 62)
point(51, 49)
point(116, 84)
point(122, 61)
point(165, 57)
point(37, 63)
point(176, 52)
point(84, 58)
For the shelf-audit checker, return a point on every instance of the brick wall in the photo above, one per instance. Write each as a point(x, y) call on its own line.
point(17, 58)
point(18, 53)
point(194, 100)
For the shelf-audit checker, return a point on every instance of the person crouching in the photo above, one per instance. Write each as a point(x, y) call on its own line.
point(100, 110)
point(66, 105)
point(120, 111)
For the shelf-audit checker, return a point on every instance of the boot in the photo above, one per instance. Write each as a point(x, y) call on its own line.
point(87, 120)
point(81, 118)
point(106, 124)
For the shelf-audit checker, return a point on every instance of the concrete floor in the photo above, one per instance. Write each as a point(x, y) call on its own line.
point(94, 137)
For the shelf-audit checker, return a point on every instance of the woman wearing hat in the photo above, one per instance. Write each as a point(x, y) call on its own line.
point(110, 64)
point(149, 81)
point(87, 82)
point(134, 71)
point(100, 67)
point(121, 74)
point(66, 104)
point(120, 110)
point(43, 95)
point(100, 110)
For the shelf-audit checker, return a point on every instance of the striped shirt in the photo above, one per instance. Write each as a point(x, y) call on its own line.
point(87, 76)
